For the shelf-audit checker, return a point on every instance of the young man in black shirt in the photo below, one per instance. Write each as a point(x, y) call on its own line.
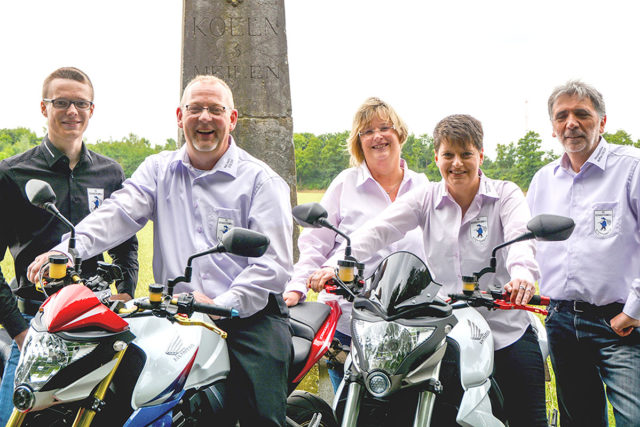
point(81, 180)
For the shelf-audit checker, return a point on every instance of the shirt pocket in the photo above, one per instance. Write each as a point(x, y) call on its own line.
point(221, 220)
point(604, 220)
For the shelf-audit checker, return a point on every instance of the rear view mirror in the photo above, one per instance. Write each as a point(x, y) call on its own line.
point(551, 228)
point(310, 215)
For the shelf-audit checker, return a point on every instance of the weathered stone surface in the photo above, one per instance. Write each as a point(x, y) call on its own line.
point(244, 43)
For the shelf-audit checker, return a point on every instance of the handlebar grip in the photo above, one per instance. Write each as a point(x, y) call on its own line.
point(539, 300)
point(215, 310)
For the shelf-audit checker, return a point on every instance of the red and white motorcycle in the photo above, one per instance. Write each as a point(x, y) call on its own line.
point(154, 361)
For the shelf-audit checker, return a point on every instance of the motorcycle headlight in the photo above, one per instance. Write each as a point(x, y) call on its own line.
point(44, 355)
point(384, 345)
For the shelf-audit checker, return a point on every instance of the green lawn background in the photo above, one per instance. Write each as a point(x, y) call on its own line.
point(145, 277)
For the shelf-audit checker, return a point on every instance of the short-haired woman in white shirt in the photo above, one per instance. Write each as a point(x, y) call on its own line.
point(462, 218)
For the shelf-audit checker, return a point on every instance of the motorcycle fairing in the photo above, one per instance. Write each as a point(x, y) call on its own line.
point(75, 307)
point(476, 347)
point(157, 415)
point(176, 387)
point(169, 349)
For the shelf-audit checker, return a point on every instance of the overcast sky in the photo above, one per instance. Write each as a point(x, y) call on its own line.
point(496, 60)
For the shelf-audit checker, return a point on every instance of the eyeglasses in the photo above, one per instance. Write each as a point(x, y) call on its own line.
point(383, 130)
point(63, 104)
point(214, 110)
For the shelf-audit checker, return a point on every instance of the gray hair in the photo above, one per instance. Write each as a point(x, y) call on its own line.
point(582, 90)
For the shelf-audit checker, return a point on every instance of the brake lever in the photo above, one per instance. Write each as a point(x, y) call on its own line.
point(507, 305)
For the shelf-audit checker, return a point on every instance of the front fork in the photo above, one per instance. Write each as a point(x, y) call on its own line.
point(424, 410)
point(85, 414)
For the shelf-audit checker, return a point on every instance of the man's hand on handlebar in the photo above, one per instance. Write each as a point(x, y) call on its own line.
point(319, 278)
point(520, 290)
point(203, 299)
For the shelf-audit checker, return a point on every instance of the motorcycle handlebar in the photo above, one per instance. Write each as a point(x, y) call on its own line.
point(215, 310)
point(539, 300)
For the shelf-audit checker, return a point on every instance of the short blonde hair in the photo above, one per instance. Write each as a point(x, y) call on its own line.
point(207, 78)
point(371, 108)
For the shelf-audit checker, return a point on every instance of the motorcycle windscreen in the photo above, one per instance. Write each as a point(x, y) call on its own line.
point(401, 281)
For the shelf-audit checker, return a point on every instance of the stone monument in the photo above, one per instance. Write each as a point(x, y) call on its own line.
point(244, 42)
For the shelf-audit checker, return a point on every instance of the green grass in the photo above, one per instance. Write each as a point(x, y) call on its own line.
point(310, 383)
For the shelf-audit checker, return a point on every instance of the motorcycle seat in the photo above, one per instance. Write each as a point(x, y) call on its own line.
point(307, 318)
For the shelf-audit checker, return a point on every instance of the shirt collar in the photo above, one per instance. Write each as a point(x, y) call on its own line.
point(598, 158)
point(484, 190)
point(364, 174)
point(52, 155)
point(228, 163)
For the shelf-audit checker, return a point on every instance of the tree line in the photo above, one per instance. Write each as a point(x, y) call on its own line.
point(320, 158)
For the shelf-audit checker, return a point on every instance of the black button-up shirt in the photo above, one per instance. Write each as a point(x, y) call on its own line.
point(29, 231)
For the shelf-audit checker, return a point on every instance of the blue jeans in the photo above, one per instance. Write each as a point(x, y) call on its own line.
point(6, 388)
point(336, 373)
point(585, 352)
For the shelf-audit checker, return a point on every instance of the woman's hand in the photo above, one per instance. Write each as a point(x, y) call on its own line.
point(318, 278)
point(521, 291)
point(291, 298)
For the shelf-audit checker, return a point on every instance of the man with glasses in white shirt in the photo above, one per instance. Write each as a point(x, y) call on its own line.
point(593, 279)
point(193, 196)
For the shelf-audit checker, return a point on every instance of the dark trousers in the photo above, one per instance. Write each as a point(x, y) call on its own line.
point(585, 352)
point(519, 371)
point(260, 351)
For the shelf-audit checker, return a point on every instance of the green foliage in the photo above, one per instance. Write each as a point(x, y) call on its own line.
point(520, 161)
point(15, 141)
point(130, 151)
point(419, 155)
point(621, 137)
point(319, 159)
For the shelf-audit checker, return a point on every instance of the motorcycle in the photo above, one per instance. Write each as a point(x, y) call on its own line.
point(156, 361)
point(416, 358)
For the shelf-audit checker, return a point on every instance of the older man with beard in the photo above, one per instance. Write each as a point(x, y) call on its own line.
point(194, 195)
point(593, 278)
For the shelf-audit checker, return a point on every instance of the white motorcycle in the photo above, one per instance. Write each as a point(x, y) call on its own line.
point(154, 361)
point(416, 359)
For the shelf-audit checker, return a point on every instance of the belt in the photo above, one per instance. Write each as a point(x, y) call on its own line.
point(28, 306)
point(608, 310)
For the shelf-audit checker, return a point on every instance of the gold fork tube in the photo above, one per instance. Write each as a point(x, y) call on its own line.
point(85, 415)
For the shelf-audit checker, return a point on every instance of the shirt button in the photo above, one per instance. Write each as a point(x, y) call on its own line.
point(199, 229)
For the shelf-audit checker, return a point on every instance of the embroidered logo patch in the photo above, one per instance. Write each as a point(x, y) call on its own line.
point(479, 229)
point(224, 225)
point(95, 197)
point(603, 221)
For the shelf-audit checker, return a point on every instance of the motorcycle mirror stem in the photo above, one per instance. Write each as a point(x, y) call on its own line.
point(544, 227)
point(237, 241)
point(41, 194)
point(314, 215)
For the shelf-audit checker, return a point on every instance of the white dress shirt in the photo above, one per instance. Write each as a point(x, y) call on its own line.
point(190, 210)
point(600, 263)
point(352, 198)
point(453, 245)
